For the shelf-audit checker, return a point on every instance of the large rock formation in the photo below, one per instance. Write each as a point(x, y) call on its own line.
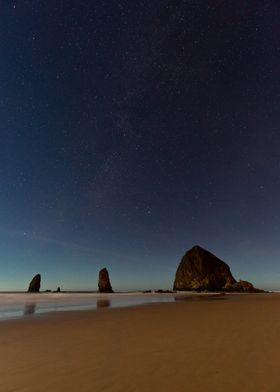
point(200, 270)
point(35, 284)
point(104, 284)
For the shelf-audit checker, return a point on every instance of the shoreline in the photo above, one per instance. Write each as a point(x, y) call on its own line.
point(181, 298)
point(17, 306)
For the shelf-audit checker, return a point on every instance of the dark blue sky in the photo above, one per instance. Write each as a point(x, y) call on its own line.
point(131, 131)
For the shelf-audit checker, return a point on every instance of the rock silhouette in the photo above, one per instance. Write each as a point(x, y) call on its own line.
point(200, 270)
point(35, 284)
point(244, 287)
point(104, 284)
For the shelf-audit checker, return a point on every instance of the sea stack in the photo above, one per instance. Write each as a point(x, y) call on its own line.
point(104, 284)
point(200, 270)
point(35, 284)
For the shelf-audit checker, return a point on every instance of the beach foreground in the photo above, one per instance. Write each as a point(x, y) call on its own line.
point(229, 344)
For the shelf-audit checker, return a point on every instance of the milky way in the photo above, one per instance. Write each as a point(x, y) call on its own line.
point(130, 132)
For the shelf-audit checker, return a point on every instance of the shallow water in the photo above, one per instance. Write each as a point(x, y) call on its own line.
point(15, 305)
point(27, 304)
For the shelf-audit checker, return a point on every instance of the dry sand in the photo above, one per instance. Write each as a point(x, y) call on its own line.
point(218, 345)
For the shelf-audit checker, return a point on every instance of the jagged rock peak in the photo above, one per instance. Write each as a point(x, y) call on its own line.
point(35, 284)
point(104, 284)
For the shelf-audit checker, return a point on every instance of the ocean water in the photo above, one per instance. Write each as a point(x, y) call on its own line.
point(23, 305)
point(15, 305)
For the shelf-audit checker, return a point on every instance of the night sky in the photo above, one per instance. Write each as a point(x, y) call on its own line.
point(131, 131)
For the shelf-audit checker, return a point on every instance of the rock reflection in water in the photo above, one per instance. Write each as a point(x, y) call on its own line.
point(207, 297)
point(103, 303)
point(29, 309)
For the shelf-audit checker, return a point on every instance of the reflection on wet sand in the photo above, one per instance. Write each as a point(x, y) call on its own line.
point(103, 303)
point(29, 309)
point(206, 297)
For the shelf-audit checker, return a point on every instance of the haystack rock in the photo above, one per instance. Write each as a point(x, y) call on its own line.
point(35, 284)
point(104, 284)
point(200, 270)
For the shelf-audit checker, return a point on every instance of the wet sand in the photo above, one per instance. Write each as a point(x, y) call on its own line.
point(229, 344)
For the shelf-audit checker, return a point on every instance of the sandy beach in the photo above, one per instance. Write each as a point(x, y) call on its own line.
point(229, 344)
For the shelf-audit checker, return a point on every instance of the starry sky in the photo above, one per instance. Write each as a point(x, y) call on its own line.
point(131, 131)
